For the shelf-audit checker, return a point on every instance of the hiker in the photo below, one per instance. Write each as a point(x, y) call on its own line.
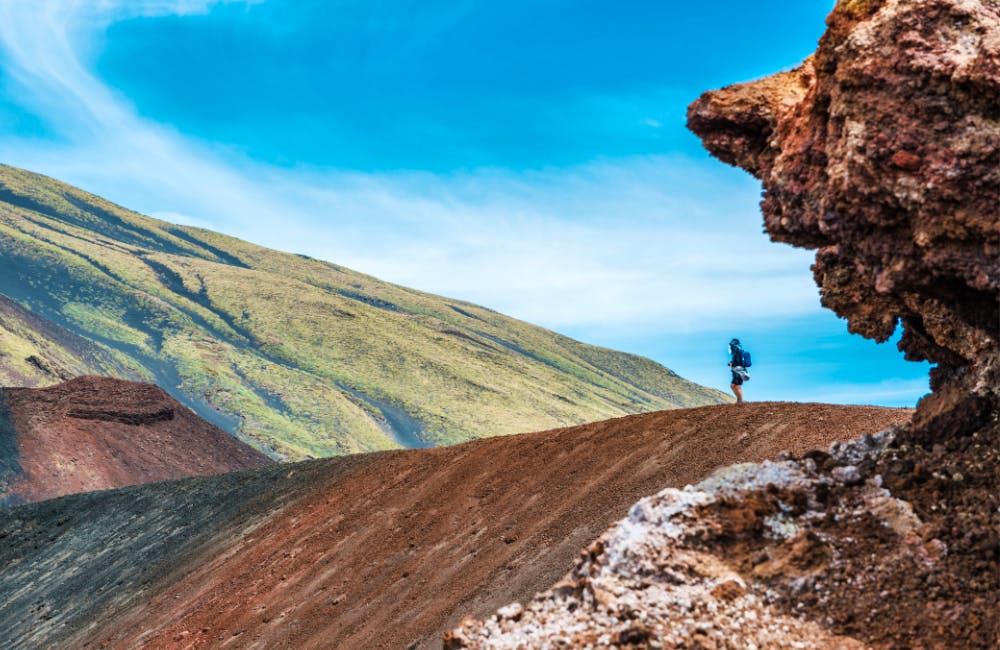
point(739, 361)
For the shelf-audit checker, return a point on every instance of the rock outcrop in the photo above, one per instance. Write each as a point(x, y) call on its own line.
point(856, 548)
point(97, 433)
point(882, 151)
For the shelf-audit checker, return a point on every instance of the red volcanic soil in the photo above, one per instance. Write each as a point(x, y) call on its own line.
point(390, 550)
point(96, 433)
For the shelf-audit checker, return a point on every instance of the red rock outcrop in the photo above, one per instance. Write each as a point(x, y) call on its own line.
point(98, 433)
point(882, 151)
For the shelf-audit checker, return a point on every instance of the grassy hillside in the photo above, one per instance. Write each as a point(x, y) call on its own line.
point(303, 357)
point(35, 351)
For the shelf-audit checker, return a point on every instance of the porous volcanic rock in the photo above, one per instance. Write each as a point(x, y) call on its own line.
point(882, 151)
point(97, 433)
point(808, 552)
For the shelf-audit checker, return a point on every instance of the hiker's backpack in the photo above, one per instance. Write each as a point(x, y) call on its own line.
point(745, 359)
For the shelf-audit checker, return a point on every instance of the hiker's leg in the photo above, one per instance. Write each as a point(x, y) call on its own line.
point(738, 391)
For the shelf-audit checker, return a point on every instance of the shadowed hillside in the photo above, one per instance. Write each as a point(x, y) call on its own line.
point(368, 551)
point(303, 357)
point(34, 350)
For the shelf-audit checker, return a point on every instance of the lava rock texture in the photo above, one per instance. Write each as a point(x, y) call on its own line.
point(848, 549)
point(882, 151)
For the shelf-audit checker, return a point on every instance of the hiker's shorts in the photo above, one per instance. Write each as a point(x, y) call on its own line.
point(739, 376)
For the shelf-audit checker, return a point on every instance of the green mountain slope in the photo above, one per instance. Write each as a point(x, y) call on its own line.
point(301, 357)
point(34, 350)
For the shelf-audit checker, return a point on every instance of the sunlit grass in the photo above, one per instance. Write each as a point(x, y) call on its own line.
point(287, 343)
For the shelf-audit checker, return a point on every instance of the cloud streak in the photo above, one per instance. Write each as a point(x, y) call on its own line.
point(646, 242)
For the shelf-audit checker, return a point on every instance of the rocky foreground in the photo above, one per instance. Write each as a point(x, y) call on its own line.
point(859, 547)
point(881, 151)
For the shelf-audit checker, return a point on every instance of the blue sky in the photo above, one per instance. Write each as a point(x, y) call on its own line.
point(528, 156)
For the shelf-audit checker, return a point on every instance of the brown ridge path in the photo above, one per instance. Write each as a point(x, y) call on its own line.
point(97, 433)
point(392, 552)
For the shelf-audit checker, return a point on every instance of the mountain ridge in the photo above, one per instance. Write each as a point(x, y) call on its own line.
point(303, 357)
point(387, 549)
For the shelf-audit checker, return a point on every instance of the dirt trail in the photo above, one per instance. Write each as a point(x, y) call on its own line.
point(98, 433)
point(394, 549)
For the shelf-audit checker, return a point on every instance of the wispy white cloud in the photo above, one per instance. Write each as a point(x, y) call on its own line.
point(654, 242)
point(892, 392)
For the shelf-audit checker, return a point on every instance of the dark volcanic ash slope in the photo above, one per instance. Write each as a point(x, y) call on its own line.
point(882, 151)
point(96, 433)
point(371, 551)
